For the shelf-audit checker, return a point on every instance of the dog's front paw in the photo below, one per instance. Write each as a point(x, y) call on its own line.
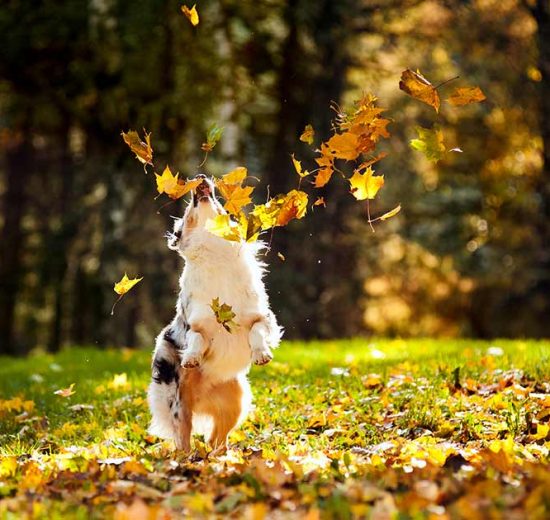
point(191, 360)
point(262, 357)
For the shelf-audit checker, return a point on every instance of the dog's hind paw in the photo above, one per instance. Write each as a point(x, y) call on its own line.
point(190, 361)
point(262, 357)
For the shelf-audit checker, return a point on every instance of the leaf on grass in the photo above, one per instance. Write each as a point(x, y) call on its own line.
point(125, 284)
point(417, 86)
point(143, 150)
point(65, 392)
point(366, 185)
point(308, 135)
point(191, 14)
point(213, 135)
point(465, 96)
point(391, 213)
point(429, 142)
point(298, 167)
point(224, 314)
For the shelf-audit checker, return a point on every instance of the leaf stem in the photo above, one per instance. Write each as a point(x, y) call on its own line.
point(114, 304)
point(446, 81)
point(368, 215)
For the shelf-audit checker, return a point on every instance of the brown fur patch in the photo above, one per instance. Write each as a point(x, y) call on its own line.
point(221, 401)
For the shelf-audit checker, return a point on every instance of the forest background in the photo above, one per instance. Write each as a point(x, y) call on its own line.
point(467, 256)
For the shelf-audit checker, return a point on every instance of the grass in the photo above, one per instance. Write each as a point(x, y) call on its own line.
point(341, 429)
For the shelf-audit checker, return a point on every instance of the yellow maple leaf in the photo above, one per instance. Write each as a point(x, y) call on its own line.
point(298, 167)
point(320, 202)
point(365, 186)
point(247, 228)
point(174, 187)
point(143, 150)
point(235, 196)
point(125, 284)
point(417, 86)
point(466, 95)
point(236, 176)
point(65, 392)
point(307, 135)
point(191, 14)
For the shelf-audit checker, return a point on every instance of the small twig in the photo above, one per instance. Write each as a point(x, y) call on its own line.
point(114, 304)
point(446, 81)
point(204, 160)
point(164, 205)
point(368, 215)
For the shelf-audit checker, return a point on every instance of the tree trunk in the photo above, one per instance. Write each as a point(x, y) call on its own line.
point(18, 170)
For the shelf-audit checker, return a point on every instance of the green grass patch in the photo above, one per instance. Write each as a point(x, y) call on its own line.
point(340, 429)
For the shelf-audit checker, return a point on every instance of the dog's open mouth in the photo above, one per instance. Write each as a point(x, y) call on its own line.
point(204, 191)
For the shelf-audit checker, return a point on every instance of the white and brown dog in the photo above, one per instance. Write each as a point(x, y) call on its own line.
point(199, 368)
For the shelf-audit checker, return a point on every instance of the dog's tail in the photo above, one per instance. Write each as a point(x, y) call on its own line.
point(163, 393)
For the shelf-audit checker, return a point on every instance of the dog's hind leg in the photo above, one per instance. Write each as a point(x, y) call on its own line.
point(226, 407)
point(163, 391)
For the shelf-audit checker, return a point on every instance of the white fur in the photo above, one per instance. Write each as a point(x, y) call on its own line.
point(214, 268)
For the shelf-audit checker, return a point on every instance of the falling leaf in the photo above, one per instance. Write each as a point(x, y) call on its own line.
point(236, 176)
point(125, 284)
point(224, 314)
point(247, 228)
point(320, 202)
point(213, 135)
point(173, 187)
point(280, 210)
point(391, 213)
point(417, 86)
point(465, 96)
point(143, 150)
point(308, 135)
point(191, 14)
point(281, 256)
point(66, 392)
point(298, 167)
point(365, 186)
point(236, 197)
point(429, 142)
point(344, 146)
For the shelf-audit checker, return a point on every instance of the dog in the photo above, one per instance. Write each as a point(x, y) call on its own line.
point(199, 369)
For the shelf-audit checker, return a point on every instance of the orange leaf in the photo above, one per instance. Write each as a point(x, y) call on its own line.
point(466, 95)
point(143, 150)
point(344, 146)
point(417, 86)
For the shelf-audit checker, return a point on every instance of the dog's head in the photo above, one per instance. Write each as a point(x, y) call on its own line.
point(202, 207)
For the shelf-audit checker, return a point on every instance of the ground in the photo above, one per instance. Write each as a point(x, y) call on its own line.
point(343, 429)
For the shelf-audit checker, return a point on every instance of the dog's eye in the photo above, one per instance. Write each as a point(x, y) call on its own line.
point(177, 233)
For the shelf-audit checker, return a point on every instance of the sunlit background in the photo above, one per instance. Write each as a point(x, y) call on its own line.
point(467, 256)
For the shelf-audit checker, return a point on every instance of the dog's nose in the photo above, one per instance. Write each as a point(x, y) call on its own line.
point(200, 176)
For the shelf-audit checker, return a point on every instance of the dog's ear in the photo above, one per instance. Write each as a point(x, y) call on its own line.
point(174, 237)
